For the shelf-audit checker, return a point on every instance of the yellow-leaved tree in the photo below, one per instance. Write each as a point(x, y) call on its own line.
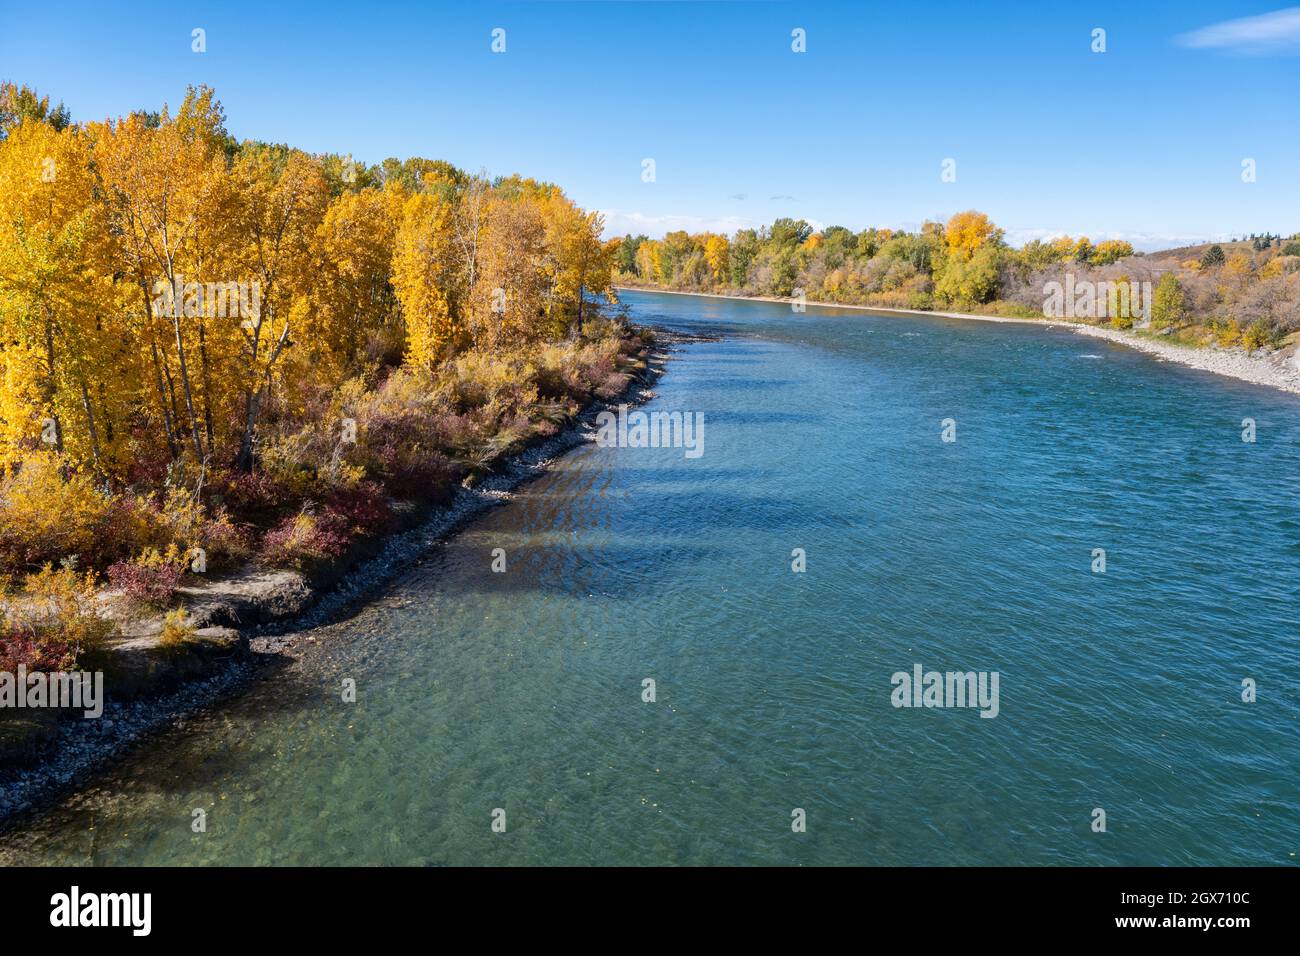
point(351, 302)
point(424, 263)
point(967, 232)
point(57, 297)
point(717, 252)
point(280, 200)
point(162, 185)
point(511, 297)
point(578, 263)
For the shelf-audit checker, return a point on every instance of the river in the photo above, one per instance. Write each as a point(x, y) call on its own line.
point(522, 691)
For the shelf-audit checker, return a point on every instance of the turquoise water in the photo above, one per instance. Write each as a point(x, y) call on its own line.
point(522, 690)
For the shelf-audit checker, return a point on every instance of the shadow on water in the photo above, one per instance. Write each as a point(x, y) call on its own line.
point(172, 759)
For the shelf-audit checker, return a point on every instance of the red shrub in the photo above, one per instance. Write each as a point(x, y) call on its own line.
point(148, 581)
point(24, 648)
point(401, 452)
point(224, 541)
point(304, 539)
point(364, 509)
point(252, 492)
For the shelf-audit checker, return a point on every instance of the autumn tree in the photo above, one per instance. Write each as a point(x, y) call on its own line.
point(514, 283)
point(19, 103)
point(424, 264)
point(1239, 267)
point(351, 299)
point(969, 280)
point(56, 290)
point(577, 262)
point(162, 188)
point(717, 254)
point(1168, 304)
point(1109, 251)
point(648, 260)
point(969, 268)
point(967, 232)
point(281, 198)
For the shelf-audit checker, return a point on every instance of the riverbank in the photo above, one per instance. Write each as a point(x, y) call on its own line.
point(250, 619)
point(1279, 369)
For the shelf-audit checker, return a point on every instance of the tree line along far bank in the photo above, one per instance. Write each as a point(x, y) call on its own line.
point(1245, 292)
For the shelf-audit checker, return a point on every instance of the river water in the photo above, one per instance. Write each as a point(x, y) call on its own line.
point(523, 691)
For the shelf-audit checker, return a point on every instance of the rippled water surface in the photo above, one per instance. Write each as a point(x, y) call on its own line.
point(522, 690)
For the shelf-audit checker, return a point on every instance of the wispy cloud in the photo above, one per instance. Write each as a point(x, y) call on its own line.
point(1275, 32)
point(1142, 241)
point(619, 222)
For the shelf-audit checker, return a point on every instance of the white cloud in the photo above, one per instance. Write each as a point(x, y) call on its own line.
point(1268, 33)
point(1142, 241)
point(1018, 237)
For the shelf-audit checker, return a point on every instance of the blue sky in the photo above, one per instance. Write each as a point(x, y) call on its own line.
point(1144, 141)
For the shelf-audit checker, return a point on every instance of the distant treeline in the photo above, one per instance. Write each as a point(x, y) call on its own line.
point(1248, 292)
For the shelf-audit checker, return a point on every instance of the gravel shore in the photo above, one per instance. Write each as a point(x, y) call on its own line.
point(1279, 369)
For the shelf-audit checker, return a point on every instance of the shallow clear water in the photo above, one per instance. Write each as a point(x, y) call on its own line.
point(522, 690)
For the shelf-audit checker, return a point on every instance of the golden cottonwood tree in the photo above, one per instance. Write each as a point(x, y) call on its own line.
point(161, 185)
point(717, 254)
point(424, 265)
point(578, 261)
point(351, 300)
point(512, 289)
point(56, 293)
point(281, 197)
point(966, 232)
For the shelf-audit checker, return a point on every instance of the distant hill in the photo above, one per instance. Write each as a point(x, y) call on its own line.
point(1181, 253)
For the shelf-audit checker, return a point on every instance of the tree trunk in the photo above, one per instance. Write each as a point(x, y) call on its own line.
point(576, 332)
point(195, 434)
point(108, 425)
point(157, 371)
point(90, 425)
point(252, 403)
point(207, 390)
point(171, 399)
point(50, 388)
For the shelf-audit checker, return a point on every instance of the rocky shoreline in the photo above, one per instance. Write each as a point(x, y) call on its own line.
point(1280, 369)
point(249, 620)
